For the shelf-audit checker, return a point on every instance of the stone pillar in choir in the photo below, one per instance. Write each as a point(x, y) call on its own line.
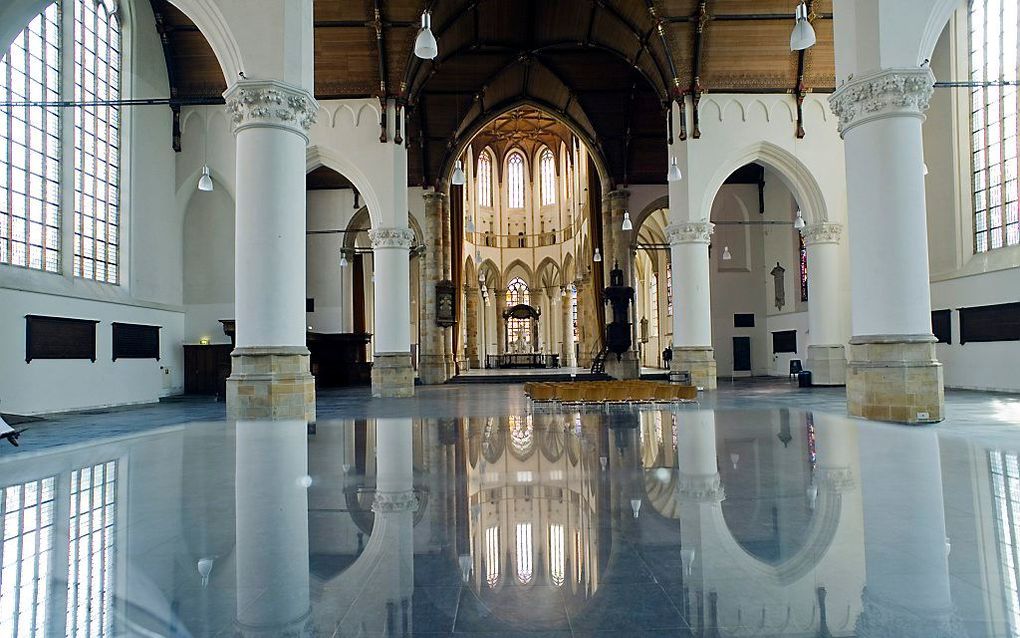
point(271, 501)
point(449, 357)
point(692, 302)
point(270, 375)
point(826, 355)
point(893, 373)
point(552, 320)
point(627, 366)
point(432, 363)
point(471, 296)
point(498, 305)
point(566, 328)
point(392, 373)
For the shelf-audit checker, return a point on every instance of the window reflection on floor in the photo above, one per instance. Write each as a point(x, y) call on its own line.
point(26, 519)
point(90, 550)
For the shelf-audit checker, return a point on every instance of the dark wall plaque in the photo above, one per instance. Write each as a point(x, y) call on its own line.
point(445, 307)
point(784, 341)
point(59, 338)
point(744, 320)
point(941, 325)
point(135, 341)
point(1000, 322)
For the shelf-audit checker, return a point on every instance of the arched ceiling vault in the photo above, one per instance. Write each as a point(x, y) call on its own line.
point(609, 66)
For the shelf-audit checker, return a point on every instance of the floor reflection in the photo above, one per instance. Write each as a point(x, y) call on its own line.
point(688, 522)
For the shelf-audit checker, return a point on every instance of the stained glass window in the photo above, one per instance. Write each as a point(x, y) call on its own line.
point(515, 180)
point(669, 291)
point(518, 329)
point(96, 142)
point(484, 179)
point(803, 268)
point(91, 550)
point(30, 147)
point(993, 60)
point(653, 305)
point(548, 168)
point(26, 544)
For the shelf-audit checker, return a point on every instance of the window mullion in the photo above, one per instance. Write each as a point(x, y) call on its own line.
point(68, 220)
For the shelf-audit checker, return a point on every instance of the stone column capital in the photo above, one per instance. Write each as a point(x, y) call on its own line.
point(690, 233)
point(836, 479)
point(394, 502)
point(391, 237)
point(434, 197)
point(887, 93)
point(822, 233)
point(700, 489)
point(271, 104)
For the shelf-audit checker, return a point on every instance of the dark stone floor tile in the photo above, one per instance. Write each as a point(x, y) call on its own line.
point(512, 610)
point(629, 607)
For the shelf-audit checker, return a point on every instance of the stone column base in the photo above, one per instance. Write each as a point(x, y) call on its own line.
point(827, 364)
point(270, 383)
point(699, 361)
point(627, 367)
point(432, 369)
point(895, 378)
point(392, 375)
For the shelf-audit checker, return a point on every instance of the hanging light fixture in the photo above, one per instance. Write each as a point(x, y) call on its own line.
point(924, 169)
point(459, 178)
point(726, 256)
point(635, 506)
point(812, 494)
point(627, 225)
point(803, 36)
point(343, 260)
point(205, 183)
point(470, 225)
point(674, 174)
point(799, 222)
point(425, 45)
point(598, 256)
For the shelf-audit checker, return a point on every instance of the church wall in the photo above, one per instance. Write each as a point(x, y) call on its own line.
point(961, 278)
point(151, 267)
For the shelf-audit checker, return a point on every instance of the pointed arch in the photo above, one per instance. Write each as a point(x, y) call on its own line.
point(547, 174)
point(519, 268)
point(516, 178)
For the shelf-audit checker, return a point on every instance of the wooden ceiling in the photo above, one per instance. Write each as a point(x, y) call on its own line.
point(607, 67)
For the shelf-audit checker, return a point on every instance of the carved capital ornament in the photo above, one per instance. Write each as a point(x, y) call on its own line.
point(270, 104)
point(890, 93)
point(822, 233)
point(690, 232)
point(391, 237)
point(394, 502)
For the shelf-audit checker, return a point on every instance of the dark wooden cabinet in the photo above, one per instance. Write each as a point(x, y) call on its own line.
point(206, 368)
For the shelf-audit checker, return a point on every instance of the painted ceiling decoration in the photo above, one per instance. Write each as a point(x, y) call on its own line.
point(606, 68)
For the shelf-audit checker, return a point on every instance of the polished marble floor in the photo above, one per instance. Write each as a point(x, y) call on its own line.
point(763, 511)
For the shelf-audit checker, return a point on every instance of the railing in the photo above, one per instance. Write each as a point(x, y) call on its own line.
point(519, 241)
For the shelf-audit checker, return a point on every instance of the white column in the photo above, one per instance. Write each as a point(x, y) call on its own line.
point(826, 356)
point(892, 348)
point(392, 375)
point(692, 301)
point(271, 121)
point(271, 503)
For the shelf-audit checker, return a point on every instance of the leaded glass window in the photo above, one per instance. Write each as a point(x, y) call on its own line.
point(547, 165)
point(525, 555)
point(26, 545)
point(653, 305)
point(91, 550)
point(518, 328)
point(96, 141)
point(515, 180)
point(993, 61)
point(484, 179)
point(30, 168)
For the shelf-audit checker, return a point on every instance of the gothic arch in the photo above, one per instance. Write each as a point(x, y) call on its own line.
point(317, 156)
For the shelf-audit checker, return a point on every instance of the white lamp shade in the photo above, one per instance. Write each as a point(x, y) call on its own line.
point(459, 178)
point(627, 225)
point(799, 222)
point(598, 256)
point(425, 45)
point(674, 174)
point(205, 183)
point(726, 253)
point(803, 36)
point(343, 260)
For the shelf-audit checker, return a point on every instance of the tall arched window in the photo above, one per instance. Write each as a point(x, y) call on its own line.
point(517, 292)
point(547, 165)
point(515, 180)
point(518, 328)
point(525, 566)
point(993, 59)
point(492, 556)
point(484, 179)
point(653, 305)
point(32, 166)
